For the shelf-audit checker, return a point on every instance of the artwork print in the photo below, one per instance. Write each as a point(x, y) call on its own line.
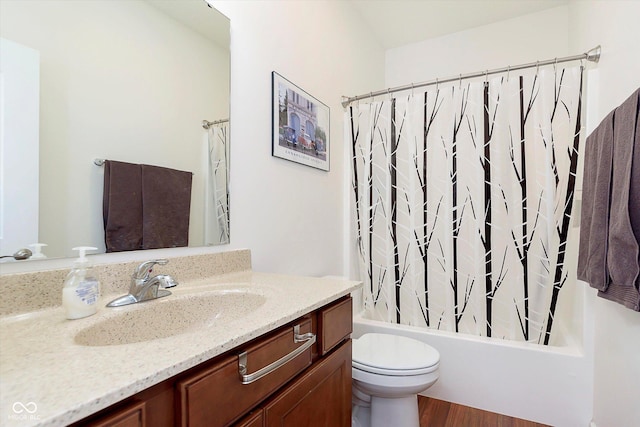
point(300, 125)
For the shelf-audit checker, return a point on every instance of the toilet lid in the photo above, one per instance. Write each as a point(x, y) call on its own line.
point(393, 355)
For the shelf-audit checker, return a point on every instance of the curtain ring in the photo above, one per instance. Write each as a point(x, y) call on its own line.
point(437, 84)
point(508, 71)
point(537, 67)
point(460, 80)
point(486, 76)
point(411, 88)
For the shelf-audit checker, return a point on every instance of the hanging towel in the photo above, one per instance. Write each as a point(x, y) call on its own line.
point(122, 206)
point(166, 203)
point(610, 226)
point(145, 207)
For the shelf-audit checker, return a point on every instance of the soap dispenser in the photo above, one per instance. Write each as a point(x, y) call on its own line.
point(37, 251)
point(81, 289)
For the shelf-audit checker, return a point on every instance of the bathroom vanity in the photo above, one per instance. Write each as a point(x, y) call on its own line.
point(213, 394)
point(181, 360)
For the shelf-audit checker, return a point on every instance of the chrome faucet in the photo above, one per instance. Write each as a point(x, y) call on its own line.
point(145, 287)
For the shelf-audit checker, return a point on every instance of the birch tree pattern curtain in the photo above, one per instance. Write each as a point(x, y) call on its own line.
point(462, 197)
point(216, 226)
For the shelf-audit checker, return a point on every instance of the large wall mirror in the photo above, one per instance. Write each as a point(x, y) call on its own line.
point(136, 81)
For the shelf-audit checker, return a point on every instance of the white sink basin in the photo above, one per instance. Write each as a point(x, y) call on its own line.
point(170, 316)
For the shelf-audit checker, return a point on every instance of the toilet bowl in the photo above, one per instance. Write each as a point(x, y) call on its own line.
point(388, 372)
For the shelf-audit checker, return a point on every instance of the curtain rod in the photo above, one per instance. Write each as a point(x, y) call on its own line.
point(592, 55)
point(207, 124)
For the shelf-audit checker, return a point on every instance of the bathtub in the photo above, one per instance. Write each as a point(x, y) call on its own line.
point(546, 384)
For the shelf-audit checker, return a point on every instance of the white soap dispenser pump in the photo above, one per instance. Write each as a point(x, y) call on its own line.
point(81, 289)
point(37, 251)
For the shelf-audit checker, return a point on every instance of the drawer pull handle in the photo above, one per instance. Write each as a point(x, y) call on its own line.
point(308, 339)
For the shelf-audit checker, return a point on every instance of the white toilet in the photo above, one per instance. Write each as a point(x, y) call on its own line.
point(388, 373)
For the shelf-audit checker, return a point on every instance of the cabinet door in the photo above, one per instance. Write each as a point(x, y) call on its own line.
point(153, 407)
point(252, 420)
point(321, 397)
point(335, 323)
point(129, 416)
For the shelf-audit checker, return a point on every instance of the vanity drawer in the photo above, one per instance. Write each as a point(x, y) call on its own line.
point(335, 323)
point(217, 396)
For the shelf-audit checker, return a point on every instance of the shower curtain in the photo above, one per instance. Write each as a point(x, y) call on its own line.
point(216, 226)
point(462, 201)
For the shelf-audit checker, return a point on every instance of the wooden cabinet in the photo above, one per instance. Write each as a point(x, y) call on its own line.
point(321, 397)
point(254, 419)
point(335, 322)
point(221, 383)
point(296, 375)
point(132, 415)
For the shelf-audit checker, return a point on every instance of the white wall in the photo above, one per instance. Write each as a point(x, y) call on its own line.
point(614, 25)
point(292, 216)
point(525, 39)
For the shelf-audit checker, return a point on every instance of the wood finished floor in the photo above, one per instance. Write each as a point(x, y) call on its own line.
point(438, 413)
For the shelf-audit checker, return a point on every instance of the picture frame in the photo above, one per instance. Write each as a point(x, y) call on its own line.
point(300, 125)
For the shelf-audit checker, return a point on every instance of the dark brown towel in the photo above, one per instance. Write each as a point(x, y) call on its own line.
point(610, 225)
point(122, 206)
point(145, 207)
point(166, 202)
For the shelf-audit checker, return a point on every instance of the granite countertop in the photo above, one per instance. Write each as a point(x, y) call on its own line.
point(47, 378)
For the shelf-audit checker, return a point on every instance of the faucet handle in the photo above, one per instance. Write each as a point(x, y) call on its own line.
point(143, 270)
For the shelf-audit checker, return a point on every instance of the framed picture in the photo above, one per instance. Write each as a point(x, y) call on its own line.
point(300, 125)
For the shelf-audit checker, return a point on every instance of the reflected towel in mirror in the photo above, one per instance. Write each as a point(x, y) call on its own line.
point(145, 206)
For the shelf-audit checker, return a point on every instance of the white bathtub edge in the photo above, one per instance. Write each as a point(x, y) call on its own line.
point(528, 381)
